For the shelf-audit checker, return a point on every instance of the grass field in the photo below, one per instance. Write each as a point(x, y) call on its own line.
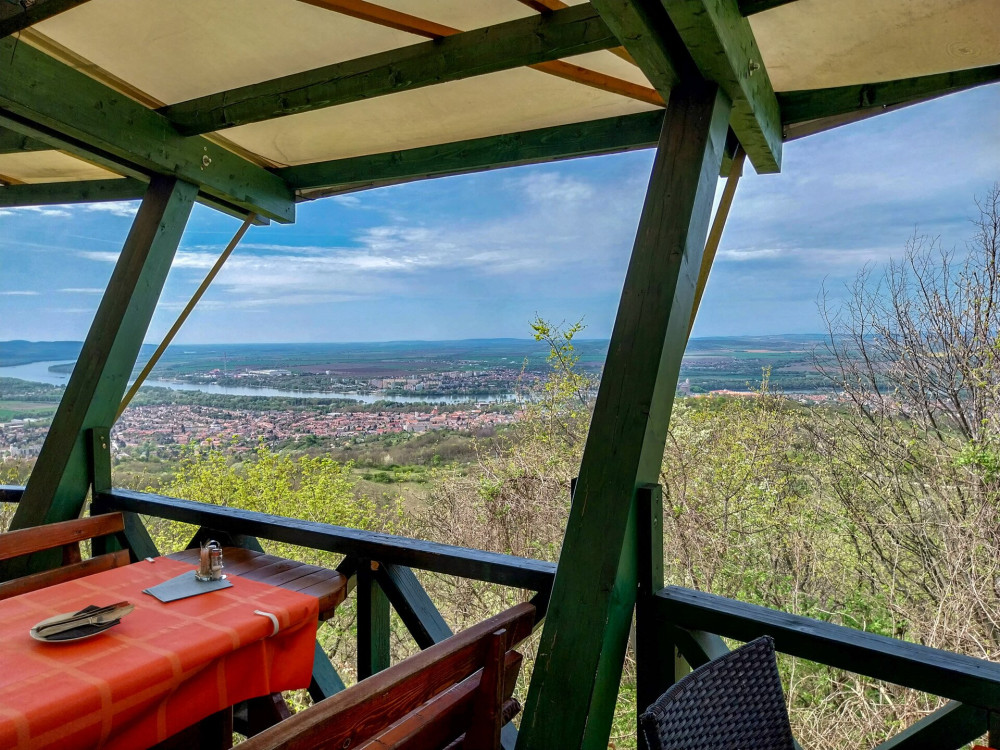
point(25, 410)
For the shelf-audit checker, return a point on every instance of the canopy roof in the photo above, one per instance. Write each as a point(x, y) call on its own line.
point(335, 95)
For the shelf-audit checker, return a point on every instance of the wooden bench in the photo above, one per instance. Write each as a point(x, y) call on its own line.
point(67, 535)
point(455, 694)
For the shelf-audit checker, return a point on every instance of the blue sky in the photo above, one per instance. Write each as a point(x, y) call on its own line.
point(480, 255)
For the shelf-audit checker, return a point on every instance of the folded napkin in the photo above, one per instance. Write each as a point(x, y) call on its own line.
point(183, 586)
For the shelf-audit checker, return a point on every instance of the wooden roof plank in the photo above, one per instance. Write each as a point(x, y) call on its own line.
point(47, 100)
point(722, 44)
point(525, 41)
point(17, 16)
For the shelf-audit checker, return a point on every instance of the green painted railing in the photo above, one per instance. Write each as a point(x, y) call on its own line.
point(678, 628)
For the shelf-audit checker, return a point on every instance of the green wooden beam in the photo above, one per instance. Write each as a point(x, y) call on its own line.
point(573, 689)
point(50, 101)
point(17, 15)
point(749, 7)
point(803, 106)
point(644, 30)
point(609, 135)
point(525, 41)
point(12, 142)
point(952, 726)
point(59, 482)
point(722, 44)
point(86, 191)
point(373, 622)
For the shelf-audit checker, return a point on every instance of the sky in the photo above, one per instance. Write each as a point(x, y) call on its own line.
point(479, 256)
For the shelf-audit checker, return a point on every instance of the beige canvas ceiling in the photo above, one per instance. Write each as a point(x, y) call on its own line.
point(165, 52)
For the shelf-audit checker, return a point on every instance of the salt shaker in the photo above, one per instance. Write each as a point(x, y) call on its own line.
point(210, 567)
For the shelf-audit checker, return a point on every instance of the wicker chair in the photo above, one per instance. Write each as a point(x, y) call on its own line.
point(734, 702)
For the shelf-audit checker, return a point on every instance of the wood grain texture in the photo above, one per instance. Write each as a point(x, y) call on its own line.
point(575, 682)
point(413, 605)
point(803, 106)
point(361, 712)
point(394, 19)
point(59, 484)
point(70, 572)
point(525, 41)
point(604, 136)
point(47, 100)
point(36, 538)
point(374, 651)
point(722, 44)
point(645, 32)
point(506, 570)
point(952, 726)
point(17, 16)
point(83, 191)
point(949, 675)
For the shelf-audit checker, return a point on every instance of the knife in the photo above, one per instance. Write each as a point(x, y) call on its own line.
point(98, 616)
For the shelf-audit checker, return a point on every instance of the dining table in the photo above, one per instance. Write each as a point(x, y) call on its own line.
point(163, 668)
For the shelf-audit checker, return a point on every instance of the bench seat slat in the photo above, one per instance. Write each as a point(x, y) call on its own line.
point(361, 712)
point(51, 535)
point(66, 573)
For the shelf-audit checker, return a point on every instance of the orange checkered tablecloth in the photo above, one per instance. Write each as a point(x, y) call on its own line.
point(163, 668)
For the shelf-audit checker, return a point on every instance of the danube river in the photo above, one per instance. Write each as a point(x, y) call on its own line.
point(39, 372)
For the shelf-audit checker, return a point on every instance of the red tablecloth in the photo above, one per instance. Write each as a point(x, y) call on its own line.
point(165, 667)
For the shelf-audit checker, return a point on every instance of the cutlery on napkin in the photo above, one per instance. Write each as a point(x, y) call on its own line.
point(88, 616)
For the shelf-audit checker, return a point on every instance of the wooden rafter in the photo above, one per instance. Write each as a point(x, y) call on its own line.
point(513, 44)
point(83, 191)
point(546, 6)
point(394, 19)
point(723, 46)
point(388, 17)
point(601, 81)
point(749, 7)
point(17, 15)
point(12, 142)
point(803, 106)
point(47, 100)
point(644, 29)
point(609, 135)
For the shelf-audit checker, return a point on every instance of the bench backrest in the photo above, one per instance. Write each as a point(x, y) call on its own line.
point(67, 535)
point(458, 689)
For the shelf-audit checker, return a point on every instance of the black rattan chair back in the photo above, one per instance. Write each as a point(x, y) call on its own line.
point(734, 702)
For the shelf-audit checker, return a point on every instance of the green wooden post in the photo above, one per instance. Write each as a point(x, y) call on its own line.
point(58, 484)
point(654, 648)
point(373, 622)
point(575, 683)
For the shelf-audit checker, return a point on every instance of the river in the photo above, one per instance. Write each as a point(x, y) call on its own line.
point(39, 372)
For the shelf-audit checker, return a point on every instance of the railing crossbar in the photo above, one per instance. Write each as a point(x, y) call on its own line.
point(507, 570)
point(972, 681)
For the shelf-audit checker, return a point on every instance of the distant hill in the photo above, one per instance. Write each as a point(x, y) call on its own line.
point(25, 352)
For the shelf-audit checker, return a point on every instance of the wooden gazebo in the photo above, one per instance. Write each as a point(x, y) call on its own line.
point(251, 106)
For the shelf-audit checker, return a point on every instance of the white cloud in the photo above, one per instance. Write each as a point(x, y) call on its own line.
point(37, 210)
point(745, 254)
point(124, 209)
point(20, 293)
point(82, 290)
point(102, 256)
point(351, 201)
